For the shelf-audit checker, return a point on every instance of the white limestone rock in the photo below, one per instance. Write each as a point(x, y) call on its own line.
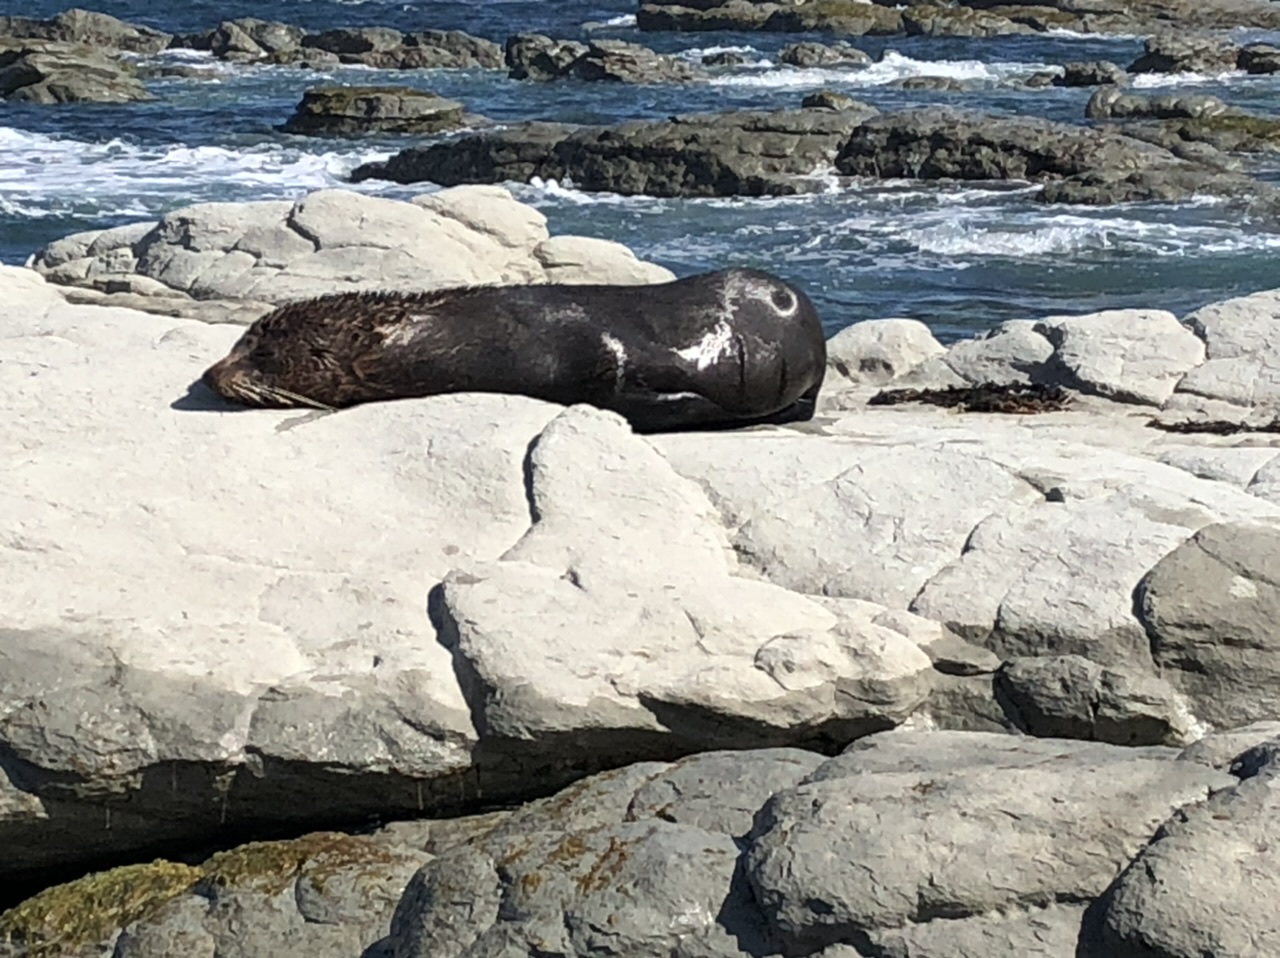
point(334, 240)
point(1131, 355)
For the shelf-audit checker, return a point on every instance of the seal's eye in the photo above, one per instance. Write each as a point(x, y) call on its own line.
point(784, 301)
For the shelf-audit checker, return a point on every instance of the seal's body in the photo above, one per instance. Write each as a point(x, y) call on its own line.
point(717, 349)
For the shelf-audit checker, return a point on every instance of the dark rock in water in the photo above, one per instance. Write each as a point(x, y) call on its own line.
point(1109, 103)
point(1019, 398)
point(967, 18)
point(37, 71)
point(247, 39)
point(87, 27)
point(630, 63)
point(851, 18)
point(942, 21)
point(822, 55)
point(533, 56)
point(1091, 73)
point(1076, 164)
point(828, 100)
point(538, 57)
point(748, 153)
point(841, 17)
point(354, 40)
point(1188, 125)
point(355, 111)
point(725, 58)
point(1259, 58)
point(1180, 53)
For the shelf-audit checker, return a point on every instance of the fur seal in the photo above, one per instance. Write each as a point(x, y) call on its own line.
point(728, 348)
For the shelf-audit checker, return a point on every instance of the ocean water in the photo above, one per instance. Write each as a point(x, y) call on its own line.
point(960, 258)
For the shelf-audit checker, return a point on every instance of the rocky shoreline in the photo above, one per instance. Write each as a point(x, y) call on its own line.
point(1017, 628)
point(982, 660)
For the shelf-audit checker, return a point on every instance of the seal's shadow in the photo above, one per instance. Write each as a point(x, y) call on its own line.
point(200, 398)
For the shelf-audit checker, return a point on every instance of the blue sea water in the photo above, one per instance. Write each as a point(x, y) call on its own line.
point(958, 257)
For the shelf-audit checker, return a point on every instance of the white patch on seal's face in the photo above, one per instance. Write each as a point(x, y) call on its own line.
point(739, 287)
point(619, 351)
point(711, 347)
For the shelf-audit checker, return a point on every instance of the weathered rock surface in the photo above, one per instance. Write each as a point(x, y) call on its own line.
point(1077, 165)
point(749, 153)
point(941, 829)
point(39, 71)
point(965, 18)
point(232, 261)
point(533, 56)
point(481, 598)
point(356, 111)
point(1243, 350)
point(812, 54)
point(841, 17)
point(1202, 886)
point(86, 27)
point(249, 39)
point(1184, 53)
point(1109, 103)
point(327, 893)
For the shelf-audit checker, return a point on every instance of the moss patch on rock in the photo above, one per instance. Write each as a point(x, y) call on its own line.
point(91, 909)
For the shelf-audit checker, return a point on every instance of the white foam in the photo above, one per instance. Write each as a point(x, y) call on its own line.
point(1141, 81)
point(891, 67)
point(1066, 34)
point(43, 175)
point(622, 20)
point(697, 53)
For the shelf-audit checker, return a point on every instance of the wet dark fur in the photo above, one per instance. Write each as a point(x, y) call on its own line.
point(548, 342)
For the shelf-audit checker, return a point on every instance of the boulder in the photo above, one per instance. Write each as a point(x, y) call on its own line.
point(1259, 58)
point(1091, 73)
point(1128, 355)
point(360, 111)
point(328, 892)
point(534, 56)
point(812, 54)
point(270, 252)
point(1207, 607)
point(1068, 696)
point(1077, 165)
point(38, 71)
point(1109, 103)
point(942, 21)
point(1203, 884)
point(1185, 53)
point(1243, 352)
point(879, 350)
point(251, 39)
point(89, 28)
point(749, 153)
point(246, 39)
point(914, 832)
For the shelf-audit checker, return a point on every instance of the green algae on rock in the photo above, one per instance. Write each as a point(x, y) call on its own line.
point(93, 908)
